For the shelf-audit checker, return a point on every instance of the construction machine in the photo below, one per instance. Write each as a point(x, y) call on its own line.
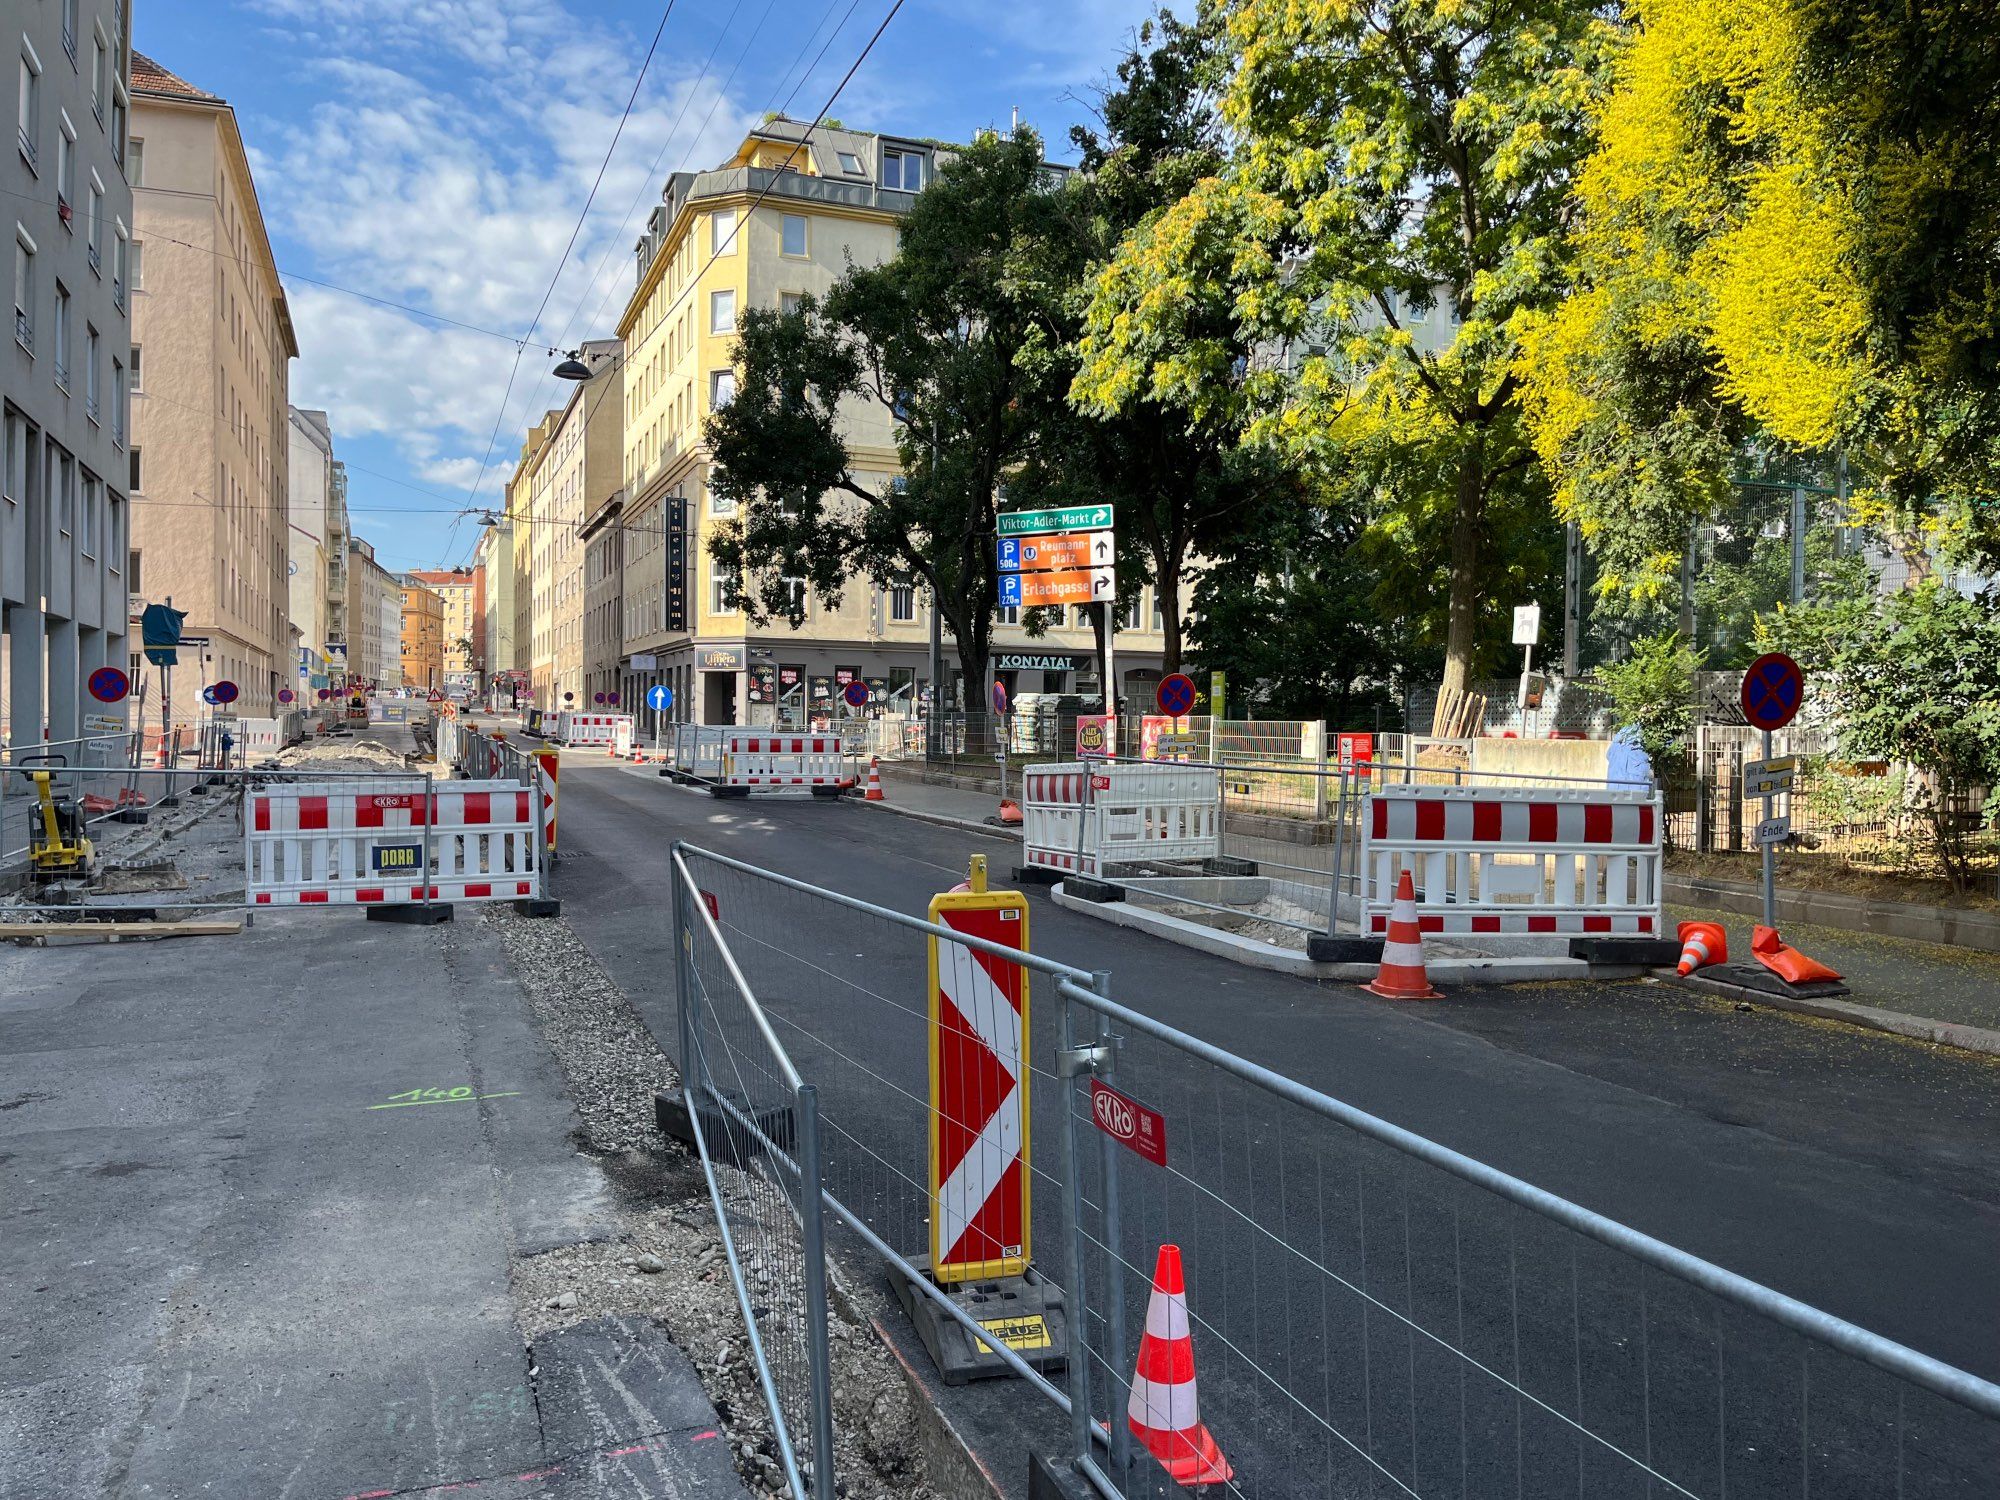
point(59, 847)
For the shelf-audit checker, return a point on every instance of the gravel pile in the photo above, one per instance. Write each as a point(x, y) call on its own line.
point(667, 1263)
point(610, 1060)
point(346, 755)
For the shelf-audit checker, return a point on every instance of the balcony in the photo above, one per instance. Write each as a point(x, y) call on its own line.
point(796, 185)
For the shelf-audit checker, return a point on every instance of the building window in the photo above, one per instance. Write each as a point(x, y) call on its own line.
point(90, 342)
point(135, 161)
point(66, 172)
point(902, 602)
point(850, 163)
point(794, 593)
point(1010, 615)
point(118, 130)
point(721, 389)
point(791, 302)
point(132, 573)
point(92, 229)
point(86, 515)
point(118, 403)
point(793, 233)
point(24, 289)
point(119, 245)
point(31, 103)
point(138, 475)
point(718, 597)
point(722, 312)
point(902, 169)
point(722, 232)
point(62, 336)
point(97, 78)
point(138, 264)
point(137, 366)
point(69, 29)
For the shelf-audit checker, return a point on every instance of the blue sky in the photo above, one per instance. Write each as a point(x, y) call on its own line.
point(435, 153)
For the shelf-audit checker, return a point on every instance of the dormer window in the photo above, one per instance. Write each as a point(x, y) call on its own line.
point(903, 169)
point(850, 163)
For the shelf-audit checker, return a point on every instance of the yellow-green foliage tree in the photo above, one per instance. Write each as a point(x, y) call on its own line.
point(1789, 232)
point(1392, 208)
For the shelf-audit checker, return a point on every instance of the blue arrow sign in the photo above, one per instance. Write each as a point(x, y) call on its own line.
point(659, 697)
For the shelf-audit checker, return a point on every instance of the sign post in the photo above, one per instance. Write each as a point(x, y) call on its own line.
point(1773, 690)
point(659, 698)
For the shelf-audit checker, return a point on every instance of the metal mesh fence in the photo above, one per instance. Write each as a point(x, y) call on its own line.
point(1371, 1319)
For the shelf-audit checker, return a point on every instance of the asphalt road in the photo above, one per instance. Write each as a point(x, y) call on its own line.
point(1365, 1324)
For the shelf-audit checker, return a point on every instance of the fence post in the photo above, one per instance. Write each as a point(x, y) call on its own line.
point(683, 976)
point(1078, 1368)
point(1319, 774)
point(540, 850)
point(430, 816)
point(812, 1230)
point(1120, 1390)
point(1339, 850)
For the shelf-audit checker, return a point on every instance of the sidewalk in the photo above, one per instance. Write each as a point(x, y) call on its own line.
point(262, 1201)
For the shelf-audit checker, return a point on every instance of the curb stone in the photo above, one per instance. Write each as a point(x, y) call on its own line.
point(1921, 1028)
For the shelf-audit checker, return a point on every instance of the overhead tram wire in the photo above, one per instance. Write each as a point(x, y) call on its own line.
point(515, 369)
point(743, 218)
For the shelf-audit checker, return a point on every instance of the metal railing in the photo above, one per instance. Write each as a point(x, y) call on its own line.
point(1371, 1313)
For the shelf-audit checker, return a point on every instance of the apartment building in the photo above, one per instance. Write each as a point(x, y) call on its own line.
point(422, 633)
point(66, 471)
point(781, 218)
point(569, 468)
point(604, 604)
point(210, 416)
point(317, 541)
point(375, 619)
point(463, 592)
point(493, 557)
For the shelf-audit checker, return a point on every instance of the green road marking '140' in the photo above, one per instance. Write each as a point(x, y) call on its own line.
point(439, 1096)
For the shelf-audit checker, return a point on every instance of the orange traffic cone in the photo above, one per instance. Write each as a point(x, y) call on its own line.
point(1702, 943)
point(1163, 1411)
point(1010, 812)
point(1402, 976)
point(874, 792)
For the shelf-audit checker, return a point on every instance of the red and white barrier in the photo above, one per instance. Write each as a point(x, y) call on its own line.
point(1083, 819)
point(365, 843)
point(1515, 860)
point(761, 760)
point(591, 729)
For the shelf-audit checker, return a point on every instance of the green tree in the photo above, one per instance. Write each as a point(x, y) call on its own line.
point(932, 341)
point(1653, 690)
point(1909, 677)
point(1392, 210)
point(1786, 232)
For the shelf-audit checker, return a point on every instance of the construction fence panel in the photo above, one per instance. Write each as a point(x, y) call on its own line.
point(1370, 1314)
point(591, 729)
point(759, 759)
point(391, 840)
point(1087, 818)
point(1515, 860)
point(697, 750)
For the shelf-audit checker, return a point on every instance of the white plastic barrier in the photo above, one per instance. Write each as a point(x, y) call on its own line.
point(1505, 860)
point(759, 760)
point(697, 750)
point(363, 842)
point(1084, 819)
point(270, 735)
point(590, 729)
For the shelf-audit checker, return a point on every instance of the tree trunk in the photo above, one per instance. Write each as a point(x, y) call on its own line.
point(1462, 625)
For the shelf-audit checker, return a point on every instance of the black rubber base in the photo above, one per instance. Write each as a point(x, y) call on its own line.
point(1027, 1312)
point(1054, 1479)
point(1754, 976)
point(538, 906)
point(130, 815)
point(729, 1141)
point(1089, 888)
point(412, 916)
point(1645, 953)
point(1228, 864)
point(1322, 949)
point(1036, 875)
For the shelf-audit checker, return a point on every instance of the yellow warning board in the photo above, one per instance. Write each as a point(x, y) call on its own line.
point(1020, 1333)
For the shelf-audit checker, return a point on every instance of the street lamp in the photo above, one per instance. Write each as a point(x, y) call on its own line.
point(572, 367)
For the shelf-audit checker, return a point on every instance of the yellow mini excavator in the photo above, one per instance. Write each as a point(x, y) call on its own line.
point(58, 846)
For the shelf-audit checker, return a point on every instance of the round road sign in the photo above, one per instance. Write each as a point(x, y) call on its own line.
point(225, 691)
point(612, 699)
point(659, 697)
point(109, 684)
point(598, 698)
point(856, 694)
point(1176, 695)
point(208, 697)
point(286, 695)
point(999, 697)
point(569, 697)
point(1773, 690)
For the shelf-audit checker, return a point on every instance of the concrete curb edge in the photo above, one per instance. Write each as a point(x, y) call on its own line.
point(1919, 1028)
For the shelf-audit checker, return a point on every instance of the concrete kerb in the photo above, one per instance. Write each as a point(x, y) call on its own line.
point(943, 820)
point(1920, 1028)
point(1258, 955)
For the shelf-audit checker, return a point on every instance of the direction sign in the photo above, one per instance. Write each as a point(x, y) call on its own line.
point(208, 697)
point(1773, 689)
point(1774, 830)
point(1042, 522)
point(1175, 694)
point(225, 691)
point(109, 684)
point(659, 697)
point(856, 694)
point(1072, 586)
point(1065, 549)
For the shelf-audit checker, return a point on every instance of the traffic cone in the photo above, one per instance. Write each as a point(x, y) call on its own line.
point(1163, 1412)
point(874, 792)
point(1010, 812)
point(1402, 976)
point(1702, 944)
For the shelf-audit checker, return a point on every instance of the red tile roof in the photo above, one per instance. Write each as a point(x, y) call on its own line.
point(149, 77)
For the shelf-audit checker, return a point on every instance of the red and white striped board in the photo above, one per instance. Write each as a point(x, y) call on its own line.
point(979, 1181)
point(760, 759)
point(1525, 860)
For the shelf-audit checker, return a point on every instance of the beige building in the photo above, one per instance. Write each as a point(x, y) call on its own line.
point(463, 595)
point(316, 538)
point(493, 556)
point(375, 619)
point(706, 258)
point(209, 522)
point(422, 636)
point(66, 469)
point(569, 468)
